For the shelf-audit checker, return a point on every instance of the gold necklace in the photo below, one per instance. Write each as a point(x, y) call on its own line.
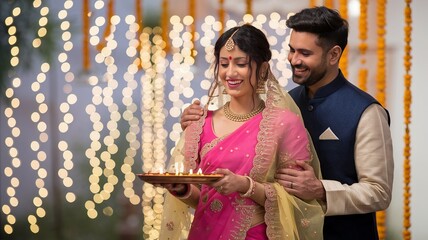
point(242, 117)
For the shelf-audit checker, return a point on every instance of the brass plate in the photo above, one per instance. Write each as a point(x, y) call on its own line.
point(155, 178)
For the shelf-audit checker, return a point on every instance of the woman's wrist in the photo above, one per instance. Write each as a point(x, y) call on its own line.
point(251, 189)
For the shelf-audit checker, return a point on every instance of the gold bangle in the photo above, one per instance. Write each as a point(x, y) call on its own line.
point(251, 189)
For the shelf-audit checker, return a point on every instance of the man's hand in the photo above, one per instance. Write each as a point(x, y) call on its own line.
point(301, 183)
point(191, 113)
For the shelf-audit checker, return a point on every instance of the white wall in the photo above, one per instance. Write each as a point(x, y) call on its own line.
point(418, 131)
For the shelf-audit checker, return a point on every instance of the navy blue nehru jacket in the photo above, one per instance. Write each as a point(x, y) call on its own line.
point(337, 107)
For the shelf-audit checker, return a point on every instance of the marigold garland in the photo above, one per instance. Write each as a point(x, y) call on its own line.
point(249, 7)
point(312, 3)
point(107, 30)
point(164, 24)
point(328, 3)
point(381, 22)
point(85, 32)
point(380, 86)
point(192, 13)
point(139, 20)
point(407, 117)
point(221, 15)
point(343, 64)
point(363, 72)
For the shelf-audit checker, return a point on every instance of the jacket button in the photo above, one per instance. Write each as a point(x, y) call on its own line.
point(310, 108)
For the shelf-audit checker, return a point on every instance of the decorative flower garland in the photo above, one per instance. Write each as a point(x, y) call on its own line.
point(328, 3)
point(312, 3)
point(380, 86)
point(192, 13)
point(249, 7)
point(139, 21)
point(343, 64)
point(381, 22)
point(85, 30)
point(107, 30)
point(363, 72)
point(221, 15)
point(407, 117)
point(164, 24)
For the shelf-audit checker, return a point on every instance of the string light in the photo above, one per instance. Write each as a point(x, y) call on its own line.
point(153, 134)
point(97, 125)
point(10, 141)
point(65, 106)
point(103, 97)
point(129, 114)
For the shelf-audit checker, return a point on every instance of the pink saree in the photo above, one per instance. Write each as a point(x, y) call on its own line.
point(234, 152)
point(272, 139)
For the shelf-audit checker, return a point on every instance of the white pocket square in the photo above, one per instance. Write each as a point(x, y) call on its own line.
point(328, 134)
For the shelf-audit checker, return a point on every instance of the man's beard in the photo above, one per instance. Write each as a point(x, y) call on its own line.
point(314, 76)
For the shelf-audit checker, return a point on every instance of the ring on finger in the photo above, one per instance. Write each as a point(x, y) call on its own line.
point(291, 184)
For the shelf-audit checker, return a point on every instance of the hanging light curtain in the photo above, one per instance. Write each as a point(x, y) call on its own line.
point(407, 117)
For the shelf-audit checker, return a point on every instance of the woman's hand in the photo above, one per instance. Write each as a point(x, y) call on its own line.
point(230, 182)
point(191, 113)
point(177, 189)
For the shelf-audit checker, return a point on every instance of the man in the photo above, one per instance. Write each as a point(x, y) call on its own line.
point(349, 128)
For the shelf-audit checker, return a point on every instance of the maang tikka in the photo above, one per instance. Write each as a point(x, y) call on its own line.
point(230, 44)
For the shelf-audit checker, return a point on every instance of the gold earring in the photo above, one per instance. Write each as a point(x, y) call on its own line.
point(261, 87)
point(261, 83)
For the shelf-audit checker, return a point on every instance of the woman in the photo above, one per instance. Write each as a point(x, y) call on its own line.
point(246, 140)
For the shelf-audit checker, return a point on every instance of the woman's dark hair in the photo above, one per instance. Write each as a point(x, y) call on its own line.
point(251, 41)
point(326, 23)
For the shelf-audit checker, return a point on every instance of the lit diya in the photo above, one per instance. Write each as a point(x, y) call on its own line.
point(179, 176)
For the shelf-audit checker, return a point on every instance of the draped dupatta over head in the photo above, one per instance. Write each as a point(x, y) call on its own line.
point(263, 144)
